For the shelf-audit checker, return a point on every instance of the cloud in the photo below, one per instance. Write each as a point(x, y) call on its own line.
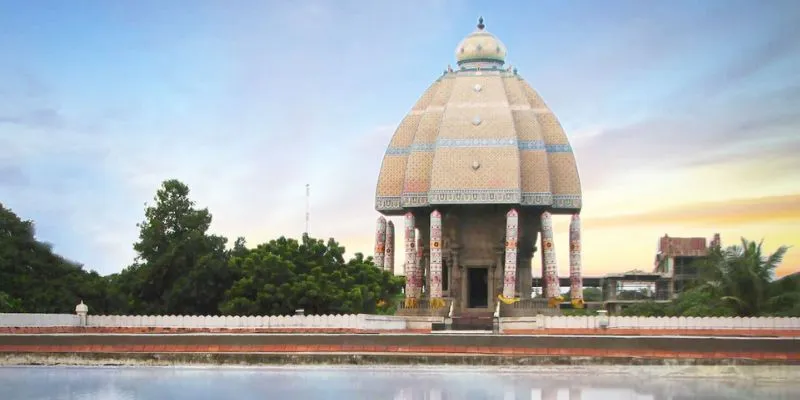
point(780, 209)
point(42, 118)
point(672, 89)
point(12, 176)
point(248, 102)
point(775, 44)
point(750, 126)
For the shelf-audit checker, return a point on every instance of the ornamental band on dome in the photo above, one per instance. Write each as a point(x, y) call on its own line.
point(477, 168)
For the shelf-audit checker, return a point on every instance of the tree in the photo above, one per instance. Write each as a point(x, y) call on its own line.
point(740, 277)
point(8, 304)
point(283, 275)
point(180, 268)
point(736, 281)
point(592, 294)
point(35, 279)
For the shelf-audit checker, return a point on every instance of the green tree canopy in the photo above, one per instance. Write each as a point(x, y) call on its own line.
point(35, 279)
point(735, 281)
point(741, 277)
point(283, 275)
point(180, 268)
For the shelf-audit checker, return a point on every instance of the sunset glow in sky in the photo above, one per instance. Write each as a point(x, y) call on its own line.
point(684, 116)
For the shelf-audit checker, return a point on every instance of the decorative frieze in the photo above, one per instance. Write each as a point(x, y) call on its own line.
point(485, 196)
point(388, 203)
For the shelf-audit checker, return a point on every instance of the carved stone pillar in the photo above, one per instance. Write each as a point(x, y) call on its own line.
point(553, 290)
point(388, 263)
point(380, 242)
point(510, 267)
point(575, 278)
point(435, 275)
point(419, 280)
point(411, 255)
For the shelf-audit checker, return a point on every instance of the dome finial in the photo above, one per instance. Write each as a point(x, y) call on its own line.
point(480, 23)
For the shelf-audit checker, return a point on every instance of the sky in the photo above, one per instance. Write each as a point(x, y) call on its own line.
point(684, 116)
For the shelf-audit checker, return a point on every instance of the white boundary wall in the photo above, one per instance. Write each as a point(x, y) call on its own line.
point(351, 321)
point(38, 320)
point(698, 323)
point(385, 322)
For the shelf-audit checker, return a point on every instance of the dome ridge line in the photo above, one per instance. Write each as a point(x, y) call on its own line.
point(436, 145)
point(517, 139)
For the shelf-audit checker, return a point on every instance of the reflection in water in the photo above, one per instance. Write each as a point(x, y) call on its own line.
point(415, 383)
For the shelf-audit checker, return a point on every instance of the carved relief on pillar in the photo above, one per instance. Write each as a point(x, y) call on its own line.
point(388, 263)
point(411, 256)
point(436, 260)
point(552, 289)
point(419, 269)
point(575, 278)
point(380, 242)
point(510, 271)
point(436, 255)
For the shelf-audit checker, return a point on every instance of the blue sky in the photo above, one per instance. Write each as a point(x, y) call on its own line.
point(247, 101)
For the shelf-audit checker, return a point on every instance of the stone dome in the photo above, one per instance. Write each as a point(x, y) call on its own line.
point(479, 135)
point(481, 46)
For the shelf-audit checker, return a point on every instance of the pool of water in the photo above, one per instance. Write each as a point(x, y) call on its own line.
point(400, 383)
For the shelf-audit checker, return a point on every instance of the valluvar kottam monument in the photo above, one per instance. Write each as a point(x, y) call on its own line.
point(477, 168)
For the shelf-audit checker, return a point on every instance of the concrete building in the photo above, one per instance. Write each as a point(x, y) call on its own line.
point(676, 259)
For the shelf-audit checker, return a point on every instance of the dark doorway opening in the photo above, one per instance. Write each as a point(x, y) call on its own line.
point(478, 287)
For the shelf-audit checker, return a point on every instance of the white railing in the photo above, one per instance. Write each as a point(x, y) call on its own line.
point(699, 323)
point(351, 321)
point(38, 320)
point(381, 322)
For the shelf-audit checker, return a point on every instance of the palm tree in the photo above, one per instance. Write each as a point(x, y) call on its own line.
point(741, 276)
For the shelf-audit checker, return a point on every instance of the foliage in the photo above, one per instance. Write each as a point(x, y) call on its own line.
point(736, 281)
point(284, 275)
point(592, 294)
point(741, 277)
point(9, 304)
point(35, 279)
point(181, 268)
point(578, 312)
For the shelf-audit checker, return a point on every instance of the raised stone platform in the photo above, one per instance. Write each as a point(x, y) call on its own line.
point(417, 360)
point(596, 347)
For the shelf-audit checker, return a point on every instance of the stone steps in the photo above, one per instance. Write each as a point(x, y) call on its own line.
point(473, 322)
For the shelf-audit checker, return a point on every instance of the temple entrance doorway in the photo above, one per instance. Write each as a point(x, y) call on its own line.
point(478, 287)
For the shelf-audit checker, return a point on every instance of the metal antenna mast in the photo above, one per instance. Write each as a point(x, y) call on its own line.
point(308, 202)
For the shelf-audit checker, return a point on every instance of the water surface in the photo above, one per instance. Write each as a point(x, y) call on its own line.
point(396, 383)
